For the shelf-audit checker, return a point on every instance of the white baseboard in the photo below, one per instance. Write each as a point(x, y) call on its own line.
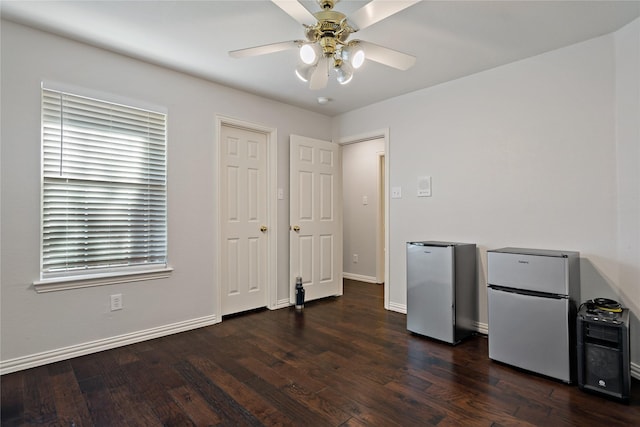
point(39, 359)
point(359, 277)
point(635, 370)
point(482, 328)
point(400, 308)
point(283, 303)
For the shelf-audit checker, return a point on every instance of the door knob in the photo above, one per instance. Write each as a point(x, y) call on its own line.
point(263, 228)
point(296, 228)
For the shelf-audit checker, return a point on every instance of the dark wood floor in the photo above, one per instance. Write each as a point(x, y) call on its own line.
point(343, 362)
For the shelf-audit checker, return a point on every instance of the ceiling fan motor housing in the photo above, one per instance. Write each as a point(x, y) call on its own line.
point(328, 45)
point(330, 31)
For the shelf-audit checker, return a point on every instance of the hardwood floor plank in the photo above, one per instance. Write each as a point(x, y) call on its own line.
point(301, 387)
point(451, 409)
point(227, 408)
point(39, 403)
point(345, 377)
point(360, 414)
point(287, 411)
point(71, 407)
point(12, 398)
point(125, 355)
point(242, 392)
point(146, 382)
point(102, 408)
point(194, 406)
point(265, 372)
point(136, 411)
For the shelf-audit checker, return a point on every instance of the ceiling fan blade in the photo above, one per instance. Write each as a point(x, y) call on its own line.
point(376, 11)
point(297, 11)
point(264, 49)
point(320, 75)
point(386, 56)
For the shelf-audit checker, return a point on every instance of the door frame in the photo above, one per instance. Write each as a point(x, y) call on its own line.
point(377, 134)
point(381, 243)
point(272, 207)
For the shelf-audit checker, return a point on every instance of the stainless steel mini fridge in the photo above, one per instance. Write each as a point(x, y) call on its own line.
point(532, 296)
point(441, 290)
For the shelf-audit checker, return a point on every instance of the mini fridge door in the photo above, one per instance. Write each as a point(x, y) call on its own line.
point(540, 273)
point(530, 332)
point(430, 291)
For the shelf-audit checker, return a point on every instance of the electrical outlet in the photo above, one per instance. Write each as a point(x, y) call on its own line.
point(116, 302)
point(355, 258)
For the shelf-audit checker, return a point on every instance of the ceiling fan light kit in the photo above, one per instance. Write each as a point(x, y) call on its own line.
point(326, 47)
point(309, 54)
point(354, 54)
point(304, 71)
point(344, 72)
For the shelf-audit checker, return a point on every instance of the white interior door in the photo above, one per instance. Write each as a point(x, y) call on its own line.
point(315, 217)
point(243, 219)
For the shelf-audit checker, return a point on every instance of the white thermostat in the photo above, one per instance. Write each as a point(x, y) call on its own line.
point(424, 186)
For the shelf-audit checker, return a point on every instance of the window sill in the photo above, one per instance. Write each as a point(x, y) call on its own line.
point(87, 281)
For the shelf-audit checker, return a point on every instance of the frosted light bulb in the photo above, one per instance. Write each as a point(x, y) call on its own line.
point(307, 54)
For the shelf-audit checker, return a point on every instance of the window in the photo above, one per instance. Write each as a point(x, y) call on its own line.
point(104, 208)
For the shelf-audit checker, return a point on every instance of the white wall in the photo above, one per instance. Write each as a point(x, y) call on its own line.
point(33, 323)
point(521, 155)
point(627, 52)
point(360, 165)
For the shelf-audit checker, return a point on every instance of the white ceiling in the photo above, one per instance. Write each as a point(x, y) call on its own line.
point(450, 39)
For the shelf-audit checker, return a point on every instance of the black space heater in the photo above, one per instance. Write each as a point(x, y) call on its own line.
point(603, 349)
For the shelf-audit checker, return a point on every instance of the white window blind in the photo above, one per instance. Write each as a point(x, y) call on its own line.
point(104, 186)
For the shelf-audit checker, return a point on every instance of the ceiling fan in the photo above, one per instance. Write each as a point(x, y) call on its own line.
point(327, 46)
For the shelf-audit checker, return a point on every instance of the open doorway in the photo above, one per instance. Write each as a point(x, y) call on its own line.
point(365, 208)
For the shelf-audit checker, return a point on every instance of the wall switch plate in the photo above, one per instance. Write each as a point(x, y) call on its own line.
point(396, 192)
point(280, 194)
point(116, 302)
